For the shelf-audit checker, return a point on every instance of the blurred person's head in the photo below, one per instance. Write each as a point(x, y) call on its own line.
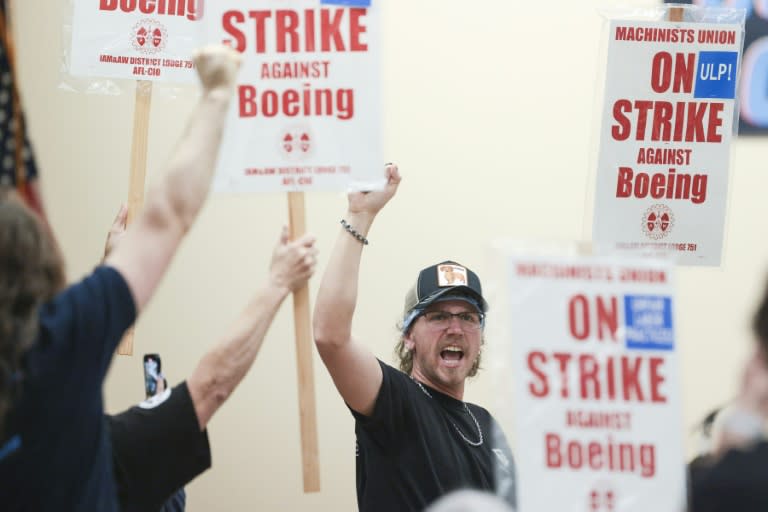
point(469, 501)
point(31, 273)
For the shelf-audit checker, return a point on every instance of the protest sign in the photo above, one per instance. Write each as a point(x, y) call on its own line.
point(307, 114)
point(598, 422)
point(665, 137)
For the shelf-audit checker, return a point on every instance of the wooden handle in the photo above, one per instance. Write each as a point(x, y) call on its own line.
point(138, 173)
point(676, 14)
point(307, 415)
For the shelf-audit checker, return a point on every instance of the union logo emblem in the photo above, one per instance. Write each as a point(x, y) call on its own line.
point(296, 143)
point(658, 221)
point(149, 36)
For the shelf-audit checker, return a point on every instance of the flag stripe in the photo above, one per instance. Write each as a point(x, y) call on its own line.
point(17, 166)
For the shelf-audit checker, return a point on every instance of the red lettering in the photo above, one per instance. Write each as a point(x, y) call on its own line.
point(642, 108)
point(679, 121)
point(579, 311)
point(661, 72)
point(287, 22)
point(662, 122)
point(269, 103)
point(595, 456)
point(715, 122)
point(575, 460)
point(147, 6)
point(588, 369)
point(291, 31)
point(606, 455)
point(672, 185)
point(682, 121)
point(607, 316)
point(622, 130)
point(685, 68)
point(657, 186)
point(657, 380)
point(227, 21)
point(578, 317)
point(630, 370)
point(260, 17)
point(356, 29)
point(290, 103)
point(563, 358)
point(329, 29)
point(191, 9)
point(538, 389)
point(624, 182)
point(695, 121)
point(247, 100)
point(554, 459)
point(309, 30)
point(608, 378)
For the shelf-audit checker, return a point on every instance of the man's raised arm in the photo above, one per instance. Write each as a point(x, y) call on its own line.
point(353, 367)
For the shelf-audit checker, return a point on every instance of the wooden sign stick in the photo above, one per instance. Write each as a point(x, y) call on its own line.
point(310, 459)
point(675, 14)
point(138, 172)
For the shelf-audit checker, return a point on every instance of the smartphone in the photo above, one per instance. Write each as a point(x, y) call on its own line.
point(152, 367)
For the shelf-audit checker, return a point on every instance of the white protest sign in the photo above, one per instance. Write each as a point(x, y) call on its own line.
point(136, 39)
point(666, 130)
point(306, 115)
point(598, 422)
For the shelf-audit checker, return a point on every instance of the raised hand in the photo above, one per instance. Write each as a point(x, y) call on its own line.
point(217, 66)
point(373, 201)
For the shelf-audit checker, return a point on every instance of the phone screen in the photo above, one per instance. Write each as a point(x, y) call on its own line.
point(152, 374)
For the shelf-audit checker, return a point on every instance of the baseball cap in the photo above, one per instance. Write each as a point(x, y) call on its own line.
point(446, 280)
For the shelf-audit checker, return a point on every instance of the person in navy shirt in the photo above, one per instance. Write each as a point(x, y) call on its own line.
point(56, 344)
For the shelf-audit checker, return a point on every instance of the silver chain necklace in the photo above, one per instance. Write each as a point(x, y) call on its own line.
point(466, 408)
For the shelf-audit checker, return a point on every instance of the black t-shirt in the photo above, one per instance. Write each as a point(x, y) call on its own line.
point(57, 455)
point(736, 482)
point(158, 448)
point(418, 445)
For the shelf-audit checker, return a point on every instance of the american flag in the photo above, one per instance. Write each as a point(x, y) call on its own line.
point(17, 165)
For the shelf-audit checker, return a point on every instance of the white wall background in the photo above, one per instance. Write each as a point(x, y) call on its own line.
point(488, 111)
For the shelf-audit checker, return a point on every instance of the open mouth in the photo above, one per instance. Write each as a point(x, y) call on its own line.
point(452, 355)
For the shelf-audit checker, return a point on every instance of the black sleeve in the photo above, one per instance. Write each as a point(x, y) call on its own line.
point(391, 411)
point(738, 481)
point(157, 450)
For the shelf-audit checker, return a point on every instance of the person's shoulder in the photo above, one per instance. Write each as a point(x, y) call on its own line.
point(392, 375)
point(388, 368)
point(91, 288)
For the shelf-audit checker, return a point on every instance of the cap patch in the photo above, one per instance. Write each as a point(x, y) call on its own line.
point(451, 275)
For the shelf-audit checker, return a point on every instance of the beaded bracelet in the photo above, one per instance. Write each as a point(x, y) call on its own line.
point(360, 238)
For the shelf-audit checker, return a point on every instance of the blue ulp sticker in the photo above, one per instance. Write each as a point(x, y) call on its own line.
point(716, 75)
point(348, 3)
point(648, 322)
